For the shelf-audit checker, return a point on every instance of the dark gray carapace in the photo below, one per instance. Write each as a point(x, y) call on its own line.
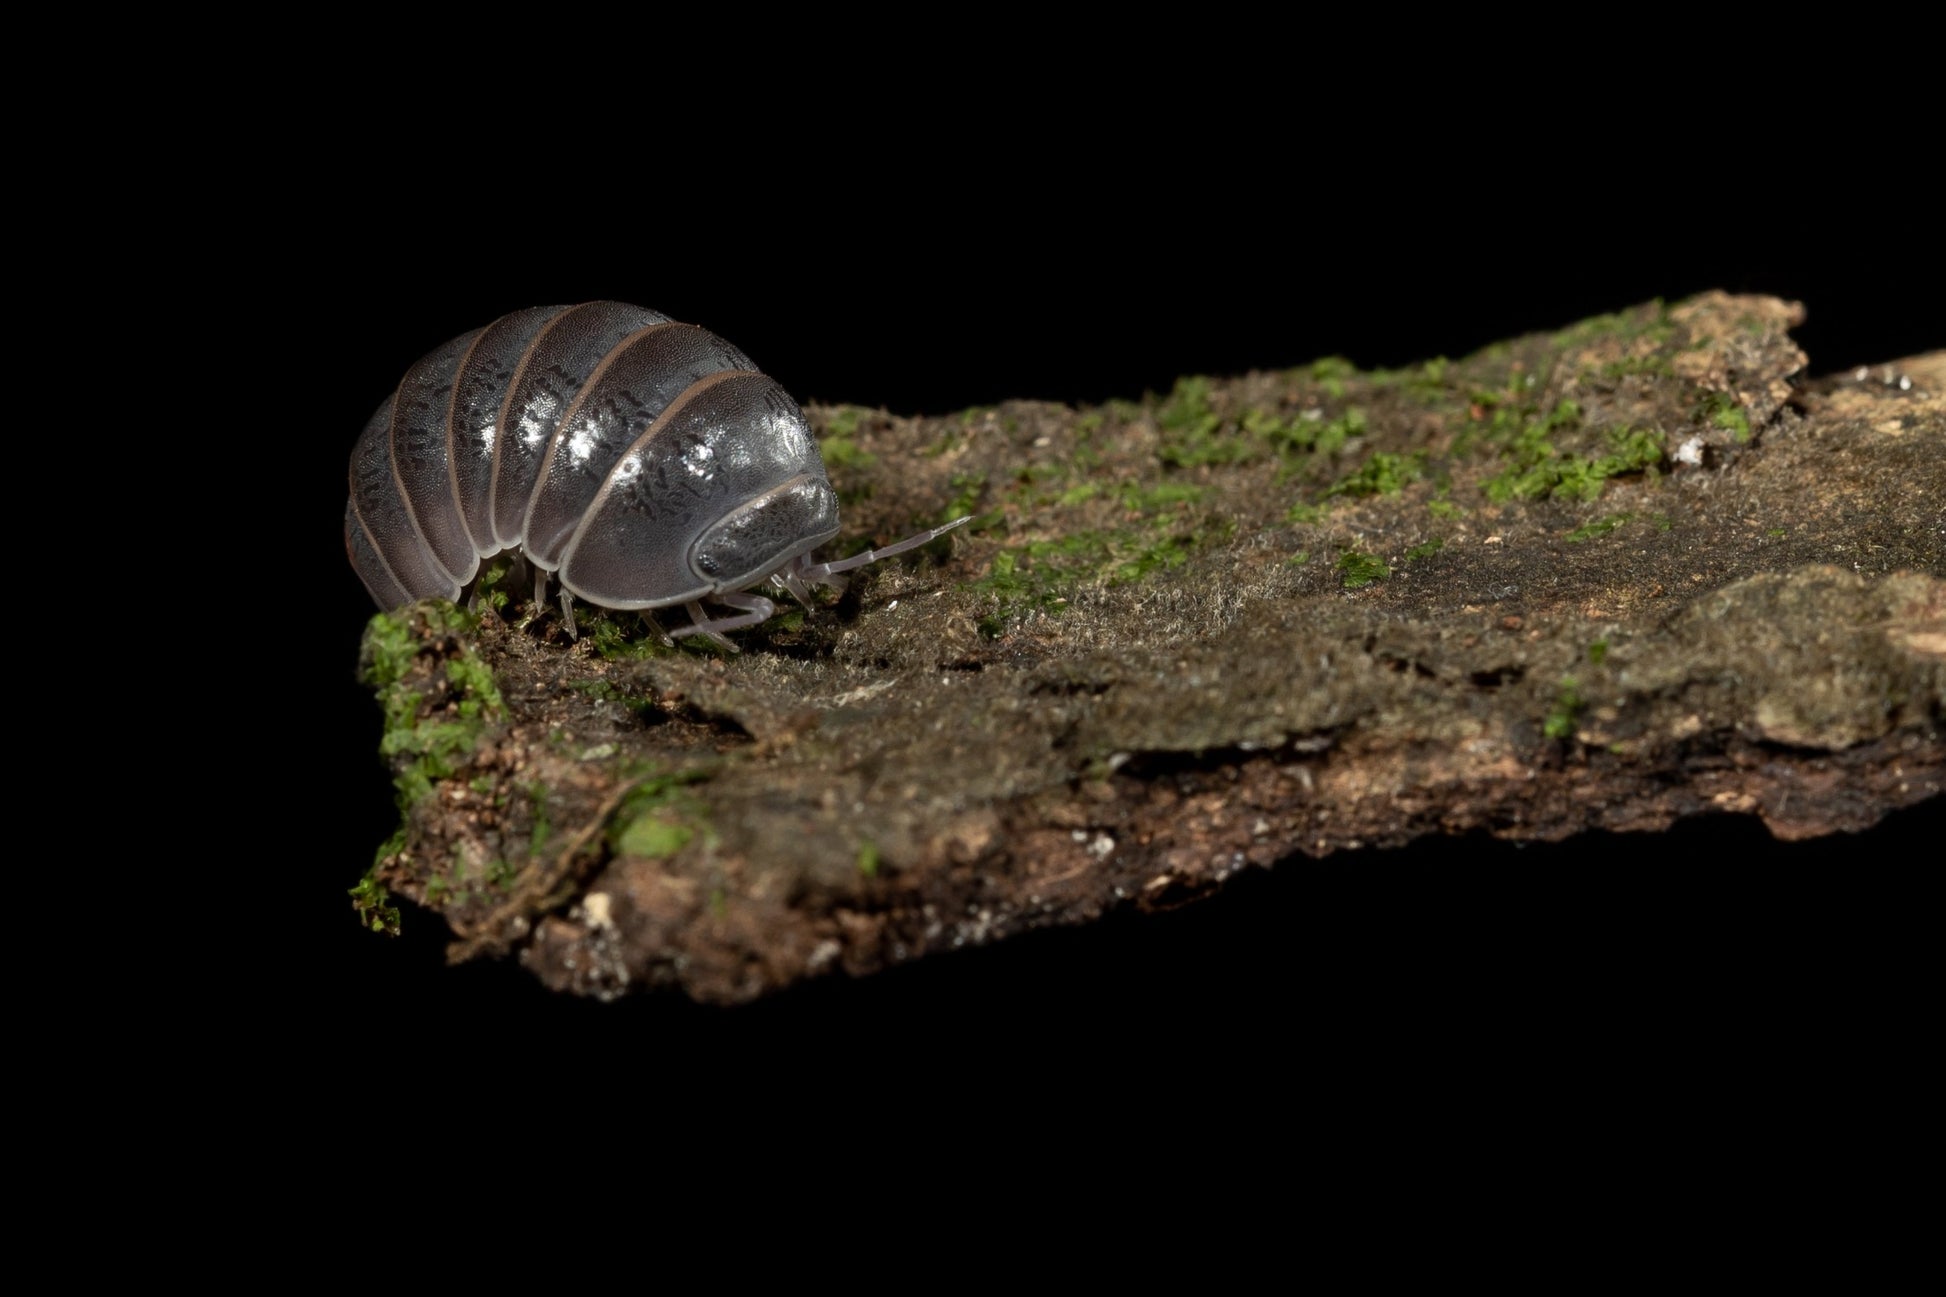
point(646, 462)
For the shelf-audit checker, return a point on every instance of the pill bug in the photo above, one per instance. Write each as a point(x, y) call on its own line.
point(646, 462)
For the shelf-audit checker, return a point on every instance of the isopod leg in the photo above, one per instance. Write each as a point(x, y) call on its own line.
point(567, 613)
point(787, 579)
point(755, 607)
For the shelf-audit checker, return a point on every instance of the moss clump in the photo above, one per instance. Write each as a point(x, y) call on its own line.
point(1323, 436)
point(487, 591)
point(1560, 722)
point(1599, 527)
point(1039, 576)
point(844, 455)
point(372, 901)
point(1194, 434)
point(427, 737)
point(1381, 474)
point(1720, 410)
point(653, 838)
point(1652, 321)
point(1424, 550)
point(967, 489)
point(1329, 374)
point(619, 636)
point(844, 421)
point(639, 704)
point(1163, 531)
point(1538, 471)
point(1303, 513)
point(1655, 364)
point(1192, 431)
point(659, 816)
point(1356, 570)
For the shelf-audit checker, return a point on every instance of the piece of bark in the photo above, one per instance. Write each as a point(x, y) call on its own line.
point(1603, 578)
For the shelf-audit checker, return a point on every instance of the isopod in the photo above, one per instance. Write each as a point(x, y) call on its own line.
point(645, 461)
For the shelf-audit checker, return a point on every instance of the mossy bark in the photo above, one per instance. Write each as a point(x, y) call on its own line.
point(1603, 578)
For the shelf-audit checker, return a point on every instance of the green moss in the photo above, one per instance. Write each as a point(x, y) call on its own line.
point(1560, 722)
point(1598, 652)
point(1300, 558)
point(868, 858)
point(1079, 494)
point(543, 827)
point(1356, 570)
point(487, 588)
point(1187, 406)
point(1656, 363)
point(851, 466)
point(427, 738)
point(1426, 383)
point(1721, 410)
point(370, 898)
point(659, 816)
point(1512, 426)
point(1652, 321)
point(1330, 373)
point(1156, 556)
point(967, 488)
point(389, 649)
point(1382, 473)
point(842, 454)
point(653, 838)
point(623, 636)
point(639, 704)
point(1040, 576)
point(845, 421)
point(1599, 527)
point(1302, 513)
point(1193, 433)
point(1329, 437)
point(500, 875)
point(1442, 509)
point(1425, 550)
point(1538, 471)
point(474, 688)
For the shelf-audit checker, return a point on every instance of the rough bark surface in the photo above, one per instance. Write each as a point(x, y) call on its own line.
point(1632, 571)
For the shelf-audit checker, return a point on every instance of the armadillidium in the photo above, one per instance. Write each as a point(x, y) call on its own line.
point(645, 462)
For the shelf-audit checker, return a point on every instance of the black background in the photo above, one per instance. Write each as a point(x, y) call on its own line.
point(1097, 272)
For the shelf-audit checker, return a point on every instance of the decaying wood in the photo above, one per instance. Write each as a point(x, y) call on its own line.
point(1157, 660)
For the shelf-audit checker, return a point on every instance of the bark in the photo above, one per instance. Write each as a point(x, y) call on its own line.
point(1636, 570)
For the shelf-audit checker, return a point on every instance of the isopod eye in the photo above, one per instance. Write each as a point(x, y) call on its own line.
point(769, 531)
